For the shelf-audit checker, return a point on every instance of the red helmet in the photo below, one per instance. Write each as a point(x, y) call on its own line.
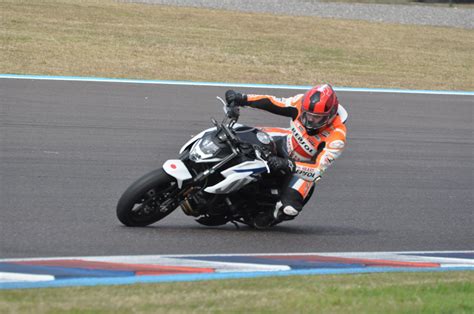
point(319, 108)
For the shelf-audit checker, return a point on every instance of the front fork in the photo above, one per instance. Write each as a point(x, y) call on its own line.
point(178, 170)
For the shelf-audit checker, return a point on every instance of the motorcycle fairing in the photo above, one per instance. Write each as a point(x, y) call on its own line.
point(237, 176)
point(177, 169)
point(200, 135)
point(202, 157)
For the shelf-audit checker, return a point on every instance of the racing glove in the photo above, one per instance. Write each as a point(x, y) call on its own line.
point(234, 98)
point(280, 164)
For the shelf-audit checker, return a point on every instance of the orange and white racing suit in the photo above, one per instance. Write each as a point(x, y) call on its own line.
point(312, 154)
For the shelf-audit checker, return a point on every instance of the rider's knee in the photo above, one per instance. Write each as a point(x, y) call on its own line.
point(292, 198)
point(289, 212)
point(286, 211)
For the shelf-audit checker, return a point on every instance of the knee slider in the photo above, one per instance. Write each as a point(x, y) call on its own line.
point(290, 211)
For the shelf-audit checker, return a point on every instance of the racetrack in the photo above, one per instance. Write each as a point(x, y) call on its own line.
point(69, 149)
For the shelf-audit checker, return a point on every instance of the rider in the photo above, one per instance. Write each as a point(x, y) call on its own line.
point(316, 137)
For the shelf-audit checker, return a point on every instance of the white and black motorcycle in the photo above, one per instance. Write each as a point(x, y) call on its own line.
point(221, 176)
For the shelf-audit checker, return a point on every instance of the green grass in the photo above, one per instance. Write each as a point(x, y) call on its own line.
point(450, 292)
point(111, 39)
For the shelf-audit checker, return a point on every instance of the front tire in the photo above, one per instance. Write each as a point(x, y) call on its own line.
point(140, 204)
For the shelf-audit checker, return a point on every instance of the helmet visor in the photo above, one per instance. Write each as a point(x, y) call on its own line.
point(314, 120)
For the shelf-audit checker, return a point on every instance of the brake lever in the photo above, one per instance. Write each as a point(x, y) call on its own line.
point(231, 111)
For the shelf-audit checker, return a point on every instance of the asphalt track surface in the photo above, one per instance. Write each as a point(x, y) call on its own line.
point(69, 149)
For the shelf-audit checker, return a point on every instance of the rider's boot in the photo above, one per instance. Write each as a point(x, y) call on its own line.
point(281, 213)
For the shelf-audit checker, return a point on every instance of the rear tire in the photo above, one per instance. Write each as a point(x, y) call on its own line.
point(139, 205)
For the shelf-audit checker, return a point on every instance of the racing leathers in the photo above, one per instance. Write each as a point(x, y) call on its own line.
point(309, 155)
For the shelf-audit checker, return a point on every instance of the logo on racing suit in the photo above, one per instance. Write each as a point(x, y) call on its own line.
point(306, 174)
point(307, 146)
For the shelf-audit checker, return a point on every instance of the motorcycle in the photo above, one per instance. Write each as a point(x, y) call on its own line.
point(221, 176)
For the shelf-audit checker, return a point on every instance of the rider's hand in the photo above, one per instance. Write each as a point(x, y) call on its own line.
point(280, 164)
point(234, 98)
point(233, 112)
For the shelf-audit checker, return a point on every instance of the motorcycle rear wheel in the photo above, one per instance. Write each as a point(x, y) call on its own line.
point(139, 205)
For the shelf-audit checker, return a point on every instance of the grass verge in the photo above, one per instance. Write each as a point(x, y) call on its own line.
point(449, 292)
point(112, 39)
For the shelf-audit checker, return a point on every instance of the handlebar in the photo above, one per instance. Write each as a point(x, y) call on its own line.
point(232, 111)
point(230, 135)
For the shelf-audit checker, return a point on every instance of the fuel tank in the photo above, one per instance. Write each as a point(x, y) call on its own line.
point(255, 136)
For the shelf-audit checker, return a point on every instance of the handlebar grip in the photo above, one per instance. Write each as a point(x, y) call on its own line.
point(233, 112)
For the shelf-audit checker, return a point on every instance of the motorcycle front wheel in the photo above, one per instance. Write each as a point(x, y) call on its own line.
point(141, 204)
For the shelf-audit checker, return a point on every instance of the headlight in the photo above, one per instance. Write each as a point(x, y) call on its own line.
point(208, 147)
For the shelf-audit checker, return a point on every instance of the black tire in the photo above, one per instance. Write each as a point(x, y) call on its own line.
point(139, 205)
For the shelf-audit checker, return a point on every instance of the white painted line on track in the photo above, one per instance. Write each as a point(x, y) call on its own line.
point(218, 84)
point(464, 266)
point(15, 277)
